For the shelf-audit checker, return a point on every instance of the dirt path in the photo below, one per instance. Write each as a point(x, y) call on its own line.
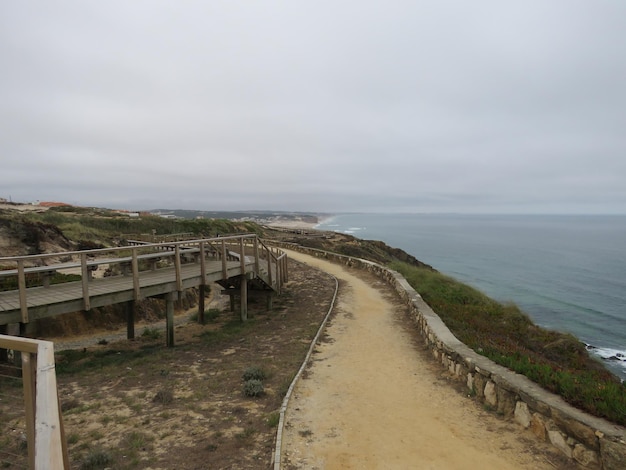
point(372, 399)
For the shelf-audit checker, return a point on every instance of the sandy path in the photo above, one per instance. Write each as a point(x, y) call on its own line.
point(372, 400)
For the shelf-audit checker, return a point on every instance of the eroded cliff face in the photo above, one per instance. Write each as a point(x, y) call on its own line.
point(20, 237)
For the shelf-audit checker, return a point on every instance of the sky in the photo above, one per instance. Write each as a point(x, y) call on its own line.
point(317, 106)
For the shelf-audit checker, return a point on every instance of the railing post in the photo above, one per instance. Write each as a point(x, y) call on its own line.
point(29, 373)
point(269, 266)
point(50, 448)
point(135, 269)
point(242, 256)
point(21, 283)
point(286, 269)
point(179, 280)
point(224, 271)
point(256, 255)
point(85, 281)
point(202, 264)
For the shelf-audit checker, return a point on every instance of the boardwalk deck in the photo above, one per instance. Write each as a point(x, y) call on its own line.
point(41, 302)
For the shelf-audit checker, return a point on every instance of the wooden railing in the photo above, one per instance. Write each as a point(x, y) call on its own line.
point(244, 248)
point(47, 448)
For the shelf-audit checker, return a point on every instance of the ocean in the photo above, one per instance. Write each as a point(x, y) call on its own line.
point(567, 272)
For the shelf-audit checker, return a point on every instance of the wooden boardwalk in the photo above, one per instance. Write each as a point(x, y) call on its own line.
point(144, 270)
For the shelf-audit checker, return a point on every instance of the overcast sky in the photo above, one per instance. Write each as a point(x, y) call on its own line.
point(374, 106)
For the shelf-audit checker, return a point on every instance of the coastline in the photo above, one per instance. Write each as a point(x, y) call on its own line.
point(572, 286)
point(299, 223)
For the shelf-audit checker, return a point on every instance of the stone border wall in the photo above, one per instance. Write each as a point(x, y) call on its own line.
point(591, 441)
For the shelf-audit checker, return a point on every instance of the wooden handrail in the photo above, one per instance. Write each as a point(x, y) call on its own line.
point(132, 256)
point(47, 447)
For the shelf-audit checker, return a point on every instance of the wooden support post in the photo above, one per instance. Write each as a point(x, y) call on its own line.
point(130, 319)
point(169, 318)
point(244, 297)
point(201, 292)
point(4, 353)
point(232, 302)
point(286, 269)
point(269, 300)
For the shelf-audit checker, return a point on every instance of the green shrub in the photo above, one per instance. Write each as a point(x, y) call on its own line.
point(151, 333)
point(254, 372)
point(253, 388)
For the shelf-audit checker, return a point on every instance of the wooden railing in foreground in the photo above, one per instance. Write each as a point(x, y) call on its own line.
point(47, 448)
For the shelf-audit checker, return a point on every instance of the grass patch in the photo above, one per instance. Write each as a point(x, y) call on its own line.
point(558, 362)
point(228, 330)
point(76, 361)
point(97, 459)
point(273, 419)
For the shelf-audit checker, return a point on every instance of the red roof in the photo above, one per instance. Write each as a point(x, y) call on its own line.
point(53, 204)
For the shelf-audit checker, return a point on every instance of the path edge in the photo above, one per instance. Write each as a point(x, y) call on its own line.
point(285, 404)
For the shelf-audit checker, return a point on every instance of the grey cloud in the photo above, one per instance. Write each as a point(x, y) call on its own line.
point(342, 106)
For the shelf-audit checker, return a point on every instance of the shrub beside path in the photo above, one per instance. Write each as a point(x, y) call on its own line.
point(372, 398)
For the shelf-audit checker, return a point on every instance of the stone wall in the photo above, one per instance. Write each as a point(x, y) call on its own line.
point(592, 442)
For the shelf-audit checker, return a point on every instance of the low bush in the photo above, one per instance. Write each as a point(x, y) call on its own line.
point(253, 388)
point(556, 361)
point(254, 372)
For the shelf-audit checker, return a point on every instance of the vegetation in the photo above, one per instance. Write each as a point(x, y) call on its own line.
point(93, 227)
point(253, 388)
point(35, 280)
point(556, 361)
point(254, 372)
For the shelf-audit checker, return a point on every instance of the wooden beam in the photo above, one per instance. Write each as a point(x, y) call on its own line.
point(49, 448)
point(242, 256)
point(179, 279)
point(135, 269)
point(224, 271)
point(130, 319)
point(169, 319)
point(21, 283)
point(29, 374)
point(244, 297)
point(202, 264)
point(256, 255)
point(84, 272)
point(201, 293)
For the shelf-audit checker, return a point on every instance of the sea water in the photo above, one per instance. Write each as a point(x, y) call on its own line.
point(568, 273)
